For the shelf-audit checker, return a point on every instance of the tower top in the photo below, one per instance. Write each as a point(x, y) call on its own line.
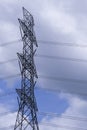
point(27, 17)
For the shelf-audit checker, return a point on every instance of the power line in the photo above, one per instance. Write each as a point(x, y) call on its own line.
point(53, 78)
point(61, 58)
point(62, 43)
point(79, 81)
point(10, 77)
point(60, 91)
point(61, 126)
point(10, 42)
point(52, 125)
point(7, 127)
point(51, 114)
point(7, 61)
point(48, 42)
point(7, 94)
point(49, 90)
point(49, 57)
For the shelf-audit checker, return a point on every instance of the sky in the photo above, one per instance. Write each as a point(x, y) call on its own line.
point(56, 21)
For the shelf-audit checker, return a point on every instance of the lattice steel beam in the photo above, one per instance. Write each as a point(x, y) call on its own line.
point(26, 116)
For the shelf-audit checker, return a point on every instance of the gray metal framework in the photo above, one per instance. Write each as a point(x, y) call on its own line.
point(27, 112)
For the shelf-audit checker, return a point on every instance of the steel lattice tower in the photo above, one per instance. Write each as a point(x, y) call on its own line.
point(26, 116)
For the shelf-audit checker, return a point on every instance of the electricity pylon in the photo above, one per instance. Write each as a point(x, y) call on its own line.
point(27, 112)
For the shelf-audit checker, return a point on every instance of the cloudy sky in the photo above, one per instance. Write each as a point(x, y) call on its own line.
point(62, 24)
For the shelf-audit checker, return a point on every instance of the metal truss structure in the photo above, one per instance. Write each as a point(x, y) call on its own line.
point(27, 112)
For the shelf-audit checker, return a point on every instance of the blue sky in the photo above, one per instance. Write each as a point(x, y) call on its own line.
point(62, 21)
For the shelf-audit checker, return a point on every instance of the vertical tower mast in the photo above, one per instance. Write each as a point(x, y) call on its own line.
point(26, 116)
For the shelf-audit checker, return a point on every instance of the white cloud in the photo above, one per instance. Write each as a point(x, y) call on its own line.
point(53, 16)
point(77, 108)
point(9, 31)
point(6, 118)
point(58, 24)
point(59, 20)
